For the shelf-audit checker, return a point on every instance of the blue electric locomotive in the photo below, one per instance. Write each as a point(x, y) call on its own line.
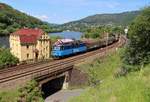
point(68, 48)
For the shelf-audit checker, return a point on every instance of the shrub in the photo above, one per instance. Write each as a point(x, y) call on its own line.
point(138, 49)
point(6, 58)
point(30, 93)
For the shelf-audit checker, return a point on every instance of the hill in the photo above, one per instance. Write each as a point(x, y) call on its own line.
point(119, 19)
point(12, 19)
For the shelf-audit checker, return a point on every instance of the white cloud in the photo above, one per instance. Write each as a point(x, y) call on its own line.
point(42, 17)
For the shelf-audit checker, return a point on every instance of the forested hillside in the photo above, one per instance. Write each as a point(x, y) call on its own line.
point(118, 19)
point(114, 19)
point(12, 19)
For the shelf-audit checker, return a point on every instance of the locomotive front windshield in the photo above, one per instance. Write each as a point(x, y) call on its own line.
point(56, 47)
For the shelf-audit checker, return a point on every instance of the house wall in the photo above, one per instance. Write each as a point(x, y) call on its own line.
point(27, 52)
point(43, 45)
point(23, 52)
point(15, 46)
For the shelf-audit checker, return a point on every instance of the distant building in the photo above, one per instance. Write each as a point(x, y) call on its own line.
point(30, 44)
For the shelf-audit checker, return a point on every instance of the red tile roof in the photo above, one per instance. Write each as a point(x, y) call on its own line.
point(28, 39)
point(29, 35)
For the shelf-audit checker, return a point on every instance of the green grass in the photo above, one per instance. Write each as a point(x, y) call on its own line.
point(29, 93)
point(9, 96)
point(135, 87)
point(103, 68)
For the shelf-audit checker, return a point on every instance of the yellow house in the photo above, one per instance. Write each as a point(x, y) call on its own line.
point(30, 44)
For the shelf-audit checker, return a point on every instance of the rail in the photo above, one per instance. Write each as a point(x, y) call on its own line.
point(40, 69)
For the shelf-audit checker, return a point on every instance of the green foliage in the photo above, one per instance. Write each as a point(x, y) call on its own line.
point(93, 33)
point(135, 87)
point(11, 20)
point(93, 77)
point(120, 19)
point(100, 69)
point(6, 58)
point(100, 32)
point(138, 49)
point(111, 19)
point(30, 93)
point(9, 96)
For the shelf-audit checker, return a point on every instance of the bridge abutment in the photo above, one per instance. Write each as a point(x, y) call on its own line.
point(52, 84)
point(66, 81)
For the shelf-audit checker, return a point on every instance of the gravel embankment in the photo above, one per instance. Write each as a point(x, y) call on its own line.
point(64, 95)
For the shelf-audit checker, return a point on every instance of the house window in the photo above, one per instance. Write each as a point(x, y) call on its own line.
point(27, 55)
point(27, 46)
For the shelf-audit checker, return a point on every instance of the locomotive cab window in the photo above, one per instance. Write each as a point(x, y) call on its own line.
point(82, 45)
point(62, 48)
point(56, 47)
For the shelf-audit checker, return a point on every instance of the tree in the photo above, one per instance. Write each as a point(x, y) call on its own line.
point(11, 20)
point(118, 30)
point(101, 31)
point(6, 58)
point(138, 49)
point(30, 93)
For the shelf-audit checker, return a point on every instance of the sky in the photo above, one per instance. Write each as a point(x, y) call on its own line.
point(62, 11)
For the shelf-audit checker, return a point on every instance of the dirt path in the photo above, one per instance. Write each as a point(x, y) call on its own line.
point(64, 95)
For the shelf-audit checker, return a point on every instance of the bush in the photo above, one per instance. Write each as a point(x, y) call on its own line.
point(6, 58)
point(138, 50)
point(30, 93)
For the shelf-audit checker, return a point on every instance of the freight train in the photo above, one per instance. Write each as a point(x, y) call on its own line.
point(67, 47)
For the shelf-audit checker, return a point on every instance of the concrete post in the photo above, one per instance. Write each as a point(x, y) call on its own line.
point(66, 81)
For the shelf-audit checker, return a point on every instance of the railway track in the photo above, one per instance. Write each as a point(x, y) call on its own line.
point(18, 67)
point(11, 74)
